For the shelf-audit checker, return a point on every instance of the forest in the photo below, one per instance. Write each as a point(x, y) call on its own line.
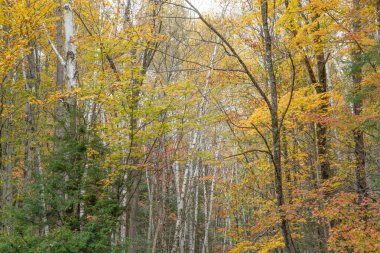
point(189, 126)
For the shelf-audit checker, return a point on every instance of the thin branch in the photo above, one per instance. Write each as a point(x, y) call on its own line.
point(246, 152)
point(291, 90)
point(264, 139)
point(108, 57)
point(234, 53)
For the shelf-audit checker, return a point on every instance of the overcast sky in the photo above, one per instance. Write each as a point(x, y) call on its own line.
point(205, 5)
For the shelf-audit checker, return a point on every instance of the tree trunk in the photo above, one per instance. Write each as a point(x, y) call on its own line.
point(321, 87)
point(30, 112)
point(136, 173)
point(60, 113)
point(161, 215)
point(275, 129)
point(71, 68)
point(360, 155)
point(322, 144)
point(132, 231)
point(59, 43)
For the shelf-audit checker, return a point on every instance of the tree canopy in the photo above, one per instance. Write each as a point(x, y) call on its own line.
point(158, 126)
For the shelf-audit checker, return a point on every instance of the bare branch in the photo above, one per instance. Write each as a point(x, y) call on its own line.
point(60, 58)
point(291, 91)
point(234, 53)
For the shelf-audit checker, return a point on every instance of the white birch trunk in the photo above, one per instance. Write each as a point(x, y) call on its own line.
point(195, 212)
point(209, 209)
point(181, 190)
point(71, 70)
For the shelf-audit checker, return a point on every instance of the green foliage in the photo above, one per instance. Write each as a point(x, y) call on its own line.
point(72, 178)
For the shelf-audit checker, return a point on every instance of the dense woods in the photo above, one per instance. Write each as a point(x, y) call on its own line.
point(158, 126)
